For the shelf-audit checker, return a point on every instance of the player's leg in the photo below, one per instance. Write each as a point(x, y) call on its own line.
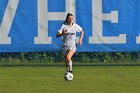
point(69, 60)
point(64, 52)
point(66, 62)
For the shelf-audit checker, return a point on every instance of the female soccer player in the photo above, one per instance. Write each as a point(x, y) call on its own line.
point(68, 32)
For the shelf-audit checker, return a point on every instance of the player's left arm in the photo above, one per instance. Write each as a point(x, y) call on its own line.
point(79, 29)
point(81, 37)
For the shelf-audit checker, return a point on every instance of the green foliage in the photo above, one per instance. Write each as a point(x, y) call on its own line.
point(82, 57)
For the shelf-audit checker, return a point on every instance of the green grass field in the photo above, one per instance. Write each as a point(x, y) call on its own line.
point(95, 79)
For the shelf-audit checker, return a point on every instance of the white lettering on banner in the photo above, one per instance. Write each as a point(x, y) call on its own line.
point(7, 21)
point(97, 26)
point(44, 16)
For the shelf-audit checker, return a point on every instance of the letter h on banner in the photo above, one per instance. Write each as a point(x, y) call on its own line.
point(44, 16)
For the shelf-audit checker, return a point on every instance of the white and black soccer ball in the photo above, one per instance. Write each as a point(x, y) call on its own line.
point(68, 76)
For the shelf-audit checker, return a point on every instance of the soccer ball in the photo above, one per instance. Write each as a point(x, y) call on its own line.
point(68, 76)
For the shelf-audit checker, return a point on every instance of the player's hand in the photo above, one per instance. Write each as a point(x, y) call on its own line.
point(80, 42)
point(65, 32)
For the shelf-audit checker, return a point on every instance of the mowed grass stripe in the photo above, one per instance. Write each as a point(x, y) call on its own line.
point(88, 79)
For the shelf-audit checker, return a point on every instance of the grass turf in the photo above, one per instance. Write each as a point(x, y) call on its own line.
point(99, 79)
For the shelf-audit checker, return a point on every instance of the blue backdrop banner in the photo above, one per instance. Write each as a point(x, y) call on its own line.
point(31, 25)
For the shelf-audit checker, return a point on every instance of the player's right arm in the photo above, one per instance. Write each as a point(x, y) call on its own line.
point(58, 34)
point(64, 32)
point(61, 32)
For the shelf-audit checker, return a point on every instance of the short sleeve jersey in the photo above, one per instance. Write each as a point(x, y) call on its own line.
point(70, 38)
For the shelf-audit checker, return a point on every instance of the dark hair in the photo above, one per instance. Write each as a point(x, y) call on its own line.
point(69, 14)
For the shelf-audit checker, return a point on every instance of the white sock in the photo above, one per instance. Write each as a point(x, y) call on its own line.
point(70, 66)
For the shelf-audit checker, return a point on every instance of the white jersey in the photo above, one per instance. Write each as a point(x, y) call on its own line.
point(70, 38)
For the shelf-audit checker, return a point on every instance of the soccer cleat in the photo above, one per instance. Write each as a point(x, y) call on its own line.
point(70, 71)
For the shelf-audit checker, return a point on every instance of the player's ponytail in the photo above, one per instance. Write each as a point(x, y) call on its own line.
point(69, 14)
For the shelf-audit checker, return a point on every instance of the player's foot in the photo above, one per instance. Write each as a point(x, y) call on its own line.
point(70, 71)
